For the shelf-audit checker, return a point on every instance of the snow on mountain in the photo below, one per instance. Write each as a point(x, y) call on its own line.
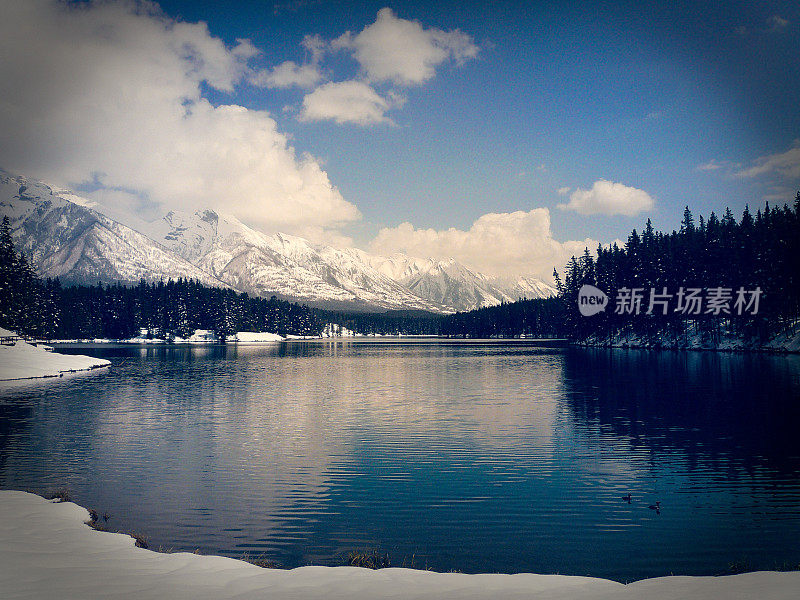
point(68, 240)
point(66, 237)
point(296, 268)
point(452, 284)
point(283, 264)
point(524, 287)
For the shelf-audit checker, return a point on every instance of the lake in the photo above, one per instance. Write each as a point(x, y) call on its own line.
point(495, 456)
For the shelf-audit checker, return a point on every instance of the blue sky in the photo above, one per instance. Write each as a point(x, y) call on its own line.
point(562, 94)
point(669, 103)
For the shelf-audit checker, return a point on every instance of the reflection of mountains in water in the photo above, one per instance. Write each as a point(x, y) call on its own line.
point(715, 408)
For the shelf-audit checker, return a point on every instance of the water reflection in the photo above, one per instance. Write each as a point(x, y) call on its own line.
point(478, 457)
point(710, 406)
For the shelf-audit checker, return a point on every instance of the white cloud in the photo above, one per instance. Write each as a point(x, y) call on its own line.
point(404, 52)
point(390, 51)
point(501, 244)
point(780, 194)
point(315, 45)
point(347, 102)
point(563, 191)
point(609, 198)
point(244, 49)
point(112, 91)
point(288, 74)
point(785, 164)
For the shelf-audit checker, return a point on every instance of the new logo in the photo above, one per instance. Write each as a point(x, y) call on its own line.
point(591, 300)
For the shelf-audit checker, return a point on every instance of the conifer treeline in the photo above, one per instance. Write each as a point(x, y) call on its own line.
point(761, 251)
point(757, 252)
point(45, 309)
point(531, 318)
point(24, 304)
point(386, 323)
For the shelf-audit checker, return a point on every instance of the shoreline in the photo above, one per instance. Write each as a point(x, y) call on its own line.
point(783, 343)
point(670, 348)
point(20, 362)
point(47, 545)
point(58, 375)
point(545, 342)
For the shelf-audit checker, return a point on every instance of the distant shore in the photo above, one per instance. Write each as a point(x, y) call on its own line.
point(784, 343)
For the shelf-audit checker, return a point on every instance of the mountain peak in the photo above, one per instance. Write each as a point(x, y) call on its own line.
point(209, 216)
point(76, 242)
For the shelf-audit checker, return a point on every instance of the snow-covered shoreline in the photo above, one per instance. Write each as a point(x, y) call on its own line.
point(47, 549)
point(23, 361)
point(783, 343)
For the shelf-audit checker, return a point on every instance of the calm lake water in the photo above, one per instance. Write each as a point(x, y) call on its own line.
point(480, 457)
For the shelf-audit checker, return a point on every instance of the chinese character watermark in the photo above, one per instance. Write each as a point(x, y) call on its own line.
point(686, 301)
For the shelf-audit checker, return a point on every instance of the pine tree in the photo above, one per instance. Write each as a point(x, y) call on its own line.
point(7, 273)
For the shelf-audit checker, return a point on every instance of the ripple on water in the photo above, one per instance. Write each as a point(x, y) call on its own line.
point(476, 457)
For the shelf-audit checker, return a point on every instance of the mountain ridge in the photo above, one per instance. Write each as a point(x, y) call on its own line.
point(66, 237)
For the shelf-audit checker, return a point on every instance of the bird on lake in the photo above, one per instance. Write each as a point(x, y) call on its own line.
point(627, 498)
point(656, 507)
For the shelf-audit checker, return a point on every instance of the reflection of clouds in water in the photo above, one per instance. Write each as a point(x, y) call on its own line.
point(430, 391)
point(306, 449)
point(286, 422)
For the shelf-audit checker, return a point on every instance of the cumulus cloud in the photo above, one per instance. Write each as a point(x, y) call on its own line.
point(391, 52)
point(288, 74)
point(404, 52)
point(784, 164)
point(563, 191)
point(609, 198)
point(111, 92)
point(347, 102)
point(502, 244)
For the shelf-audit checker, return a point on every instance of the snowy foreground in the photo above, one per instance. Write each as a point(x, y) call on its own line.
point(47, 551)
point(23, 361)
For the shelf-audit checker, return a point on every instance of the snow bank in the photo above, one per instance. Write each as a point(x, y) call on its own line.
point(46, 550)
point(251, 337)
point(203, 336)
point(785, 342)
point(23, 361)
point(143, 340)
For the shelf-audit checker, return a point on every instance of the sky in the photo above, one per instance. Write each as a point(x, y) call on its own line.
point(508, 135)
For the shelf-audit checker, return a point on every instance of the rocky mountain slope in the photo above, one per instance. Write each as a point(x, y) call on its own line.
point(65, 237)
point(75, 243)
point(452, 284)
point(283, 264)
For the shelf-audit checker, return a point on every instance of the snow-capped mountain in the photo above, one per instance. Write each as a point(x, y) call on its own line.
point(452, 284)
point(75, 243)
point(294, 267)
point(66, 237)
point(282, 264)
